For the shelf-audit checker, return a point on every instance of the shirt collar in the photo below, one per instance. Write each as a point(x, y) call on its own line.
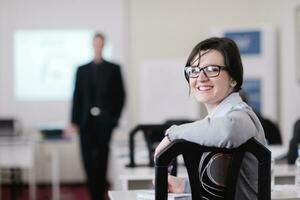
point(226, 105)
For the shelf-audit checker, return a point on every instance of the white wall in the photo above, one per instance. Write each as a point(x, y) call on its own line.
point(171, 28)
point(108, 16)
point(157, 30)
point(290, 86)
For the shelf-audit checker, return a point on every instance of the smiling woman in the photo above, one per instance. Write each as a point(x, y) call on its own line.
point(211, 86)
point(214, 72)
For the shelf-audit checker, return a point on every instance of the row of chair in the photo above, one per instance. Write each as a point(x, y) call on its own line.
point(192, 153)
point(154, 133)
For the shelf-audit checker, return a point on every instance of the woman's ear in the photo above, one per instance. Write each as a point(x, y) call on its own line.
point(233, 83)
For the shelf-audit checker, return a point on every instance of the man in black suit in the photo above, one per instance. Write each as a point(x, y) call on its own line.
point(98, 100)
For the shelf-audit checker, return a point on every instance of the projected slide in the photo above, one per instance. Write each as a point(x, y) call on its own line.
point(45, 62)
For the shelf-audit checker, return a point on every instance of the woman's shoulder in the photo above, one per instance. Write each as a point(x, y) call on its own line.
point(242, 106)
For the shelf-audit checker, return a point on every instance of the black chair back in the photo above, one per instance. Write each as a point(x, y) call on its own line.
point(153, 133)
point(294, 142)
point(193, 154)
point(271, 130)
point(9, 127)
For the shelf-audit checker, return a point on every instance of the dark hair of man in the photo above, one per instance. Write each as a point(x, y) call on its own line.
point(99, 35)
point(231, 55)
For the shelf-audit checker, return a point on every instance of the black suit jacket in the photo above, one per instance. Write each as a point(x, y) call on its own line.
point(109, 89)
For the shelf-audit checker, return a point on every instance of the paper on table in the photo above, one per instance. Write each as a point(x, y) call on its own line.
point(150, 195)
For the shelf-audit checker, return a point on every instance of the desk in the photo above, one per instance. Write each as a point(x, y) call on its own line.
point(51, 161)
point(278, 151)
point(54, 161)
point(286, 192)
point(137, 178)
point(18, 152)
point(284, 174)
point(141, 177)
point(126, 178)
point(280, 192)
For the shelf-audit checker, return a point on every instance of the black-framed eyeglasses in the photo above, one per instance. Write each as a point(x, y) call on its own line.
point(209, 71)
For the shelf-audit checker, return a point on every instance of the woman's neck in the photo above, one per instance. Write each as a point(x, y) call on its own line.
point(210, 107)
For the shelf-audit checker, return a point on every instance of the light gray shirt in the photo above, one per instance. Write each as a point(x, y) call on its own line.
point(230, 124)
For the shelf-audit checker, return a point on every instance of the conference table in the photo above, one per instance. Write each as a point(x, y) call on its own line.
point(141, 177)
point(19, 152)
point(279, 192)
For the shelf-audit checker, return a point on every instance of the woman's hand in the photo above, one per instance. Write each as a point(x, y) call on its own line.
point(165, 142)
point(176, 184)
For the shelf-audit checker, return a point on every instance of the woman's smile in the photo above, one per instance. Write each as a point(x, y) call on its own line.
point(202, 88)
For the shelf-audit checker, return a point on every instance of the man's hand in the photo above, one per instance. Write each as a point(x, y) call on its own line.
point(71, 131)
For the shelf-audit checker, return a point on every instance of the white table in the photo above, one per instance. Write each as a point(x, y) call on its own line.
point(285, 192)
point(284, 174)
point(280, 192)
point(18, 152)
point(278, 151)
point(50, 148)
point(141, 177)
point(54, 160)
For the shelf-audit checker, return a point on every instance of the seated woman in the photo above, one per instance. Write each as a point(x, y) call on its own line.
point(214, 72)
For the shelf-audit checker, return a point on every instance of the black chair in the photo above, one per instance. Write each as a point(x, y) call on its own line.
point(294, 142)
point(9, 127)
point(153, 133)
point(192, 154)
point(271, 129)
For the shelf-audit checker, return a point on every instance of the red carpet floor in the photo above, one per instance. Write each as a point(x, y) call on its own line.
point(68, 192)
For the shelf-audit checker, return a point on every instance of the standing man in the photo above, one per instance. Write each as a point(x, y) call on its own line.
point(98, 100)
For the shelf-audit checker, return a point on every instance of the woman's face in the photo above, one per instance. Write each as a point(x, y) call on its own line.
point(210, 91)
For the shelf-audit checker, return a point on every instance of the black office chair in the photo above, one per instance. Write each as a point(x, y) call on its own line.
point(9, 127)
point(153, 133)
point(192, 154)
point(271, 129)
point(294, 142)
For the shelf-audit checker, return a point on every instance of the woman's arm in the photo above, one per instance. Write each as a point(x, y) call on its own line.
point(229, 131)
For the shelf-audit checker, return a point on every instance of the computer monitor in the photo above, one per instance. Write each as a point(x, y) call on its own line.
point(7, 127)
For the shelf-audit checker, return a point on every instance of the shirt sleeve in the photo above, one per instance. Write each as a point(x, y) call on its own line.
point(229, 131)
point(187, 186)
